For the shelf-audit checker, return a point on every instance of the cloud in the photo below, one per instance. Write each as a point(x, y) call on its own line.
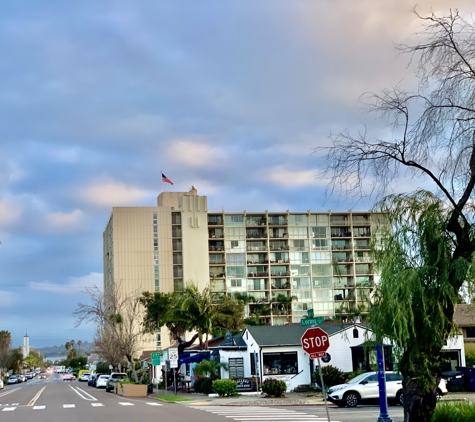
point(73, 287)
point(10, 212)
point(195, 154)
point(8, 299)
point(64, 222)
point(110, 194)
point(283, 177)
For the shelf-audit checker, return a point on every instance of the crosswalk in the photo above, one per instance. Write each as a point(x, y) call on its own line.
point(14, 406)
point(258, 413)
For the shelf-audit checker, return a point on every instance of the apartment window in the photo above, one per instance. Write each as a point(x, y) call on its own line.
point(236, 282)
point(319, 232)
point(321, 257)
point(155, 229)
point(298, 219)
point(234, 220)
point(320, 244)
point(234, 244)
point(280, 363)
point(236, 271)
point(159, 341)
point(157, 285)
point(298, 232)
point(236, 259)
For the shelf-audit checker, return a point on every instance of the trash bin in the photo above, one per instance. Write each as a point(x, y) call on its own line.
point(469, 377)
point(455, 380)
point(150, 389)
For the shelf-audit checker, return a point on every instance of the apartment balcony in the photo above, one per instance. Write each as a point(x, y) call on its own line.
point(253, 221)
point(215, 220)
point(366, 233)
point(280, 274)
point(277, 220)
point(278, 234)
point(176, 219)
point(177, 272)
point(216, 234)
point(361, 220)
point(176, 246)
point(257, 285)
point(178, 285)
point(177, 260)
point(216, 246)
point(340, 233)
point(336, 220)
point(258, 274)
point(256, 234)
point(278, 246)
point(220, 262)
point(176, 232)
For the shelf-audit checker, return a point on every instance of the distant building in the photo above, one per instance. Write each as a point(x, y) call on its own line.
point(287, 263)
point(26, 345)
point(464, 318)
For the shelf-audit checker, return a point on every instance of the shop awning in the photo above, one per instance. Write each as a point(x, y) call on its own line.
point(194, 358)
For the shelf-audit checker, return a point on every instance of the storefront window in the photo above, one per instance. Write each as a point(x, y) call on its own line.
point(280, 363)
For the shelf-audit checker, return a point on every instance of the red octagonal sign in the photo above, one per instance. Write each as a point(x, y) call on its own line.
point(315, 342)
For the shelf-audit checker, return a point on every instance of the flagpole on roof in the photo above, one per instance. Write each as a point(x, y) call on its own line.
point(161, 178)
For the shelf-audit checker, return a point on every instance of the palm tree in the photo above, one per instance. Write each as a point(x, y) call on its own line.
point(209, 368)
point(67, 346)
point(79, 346)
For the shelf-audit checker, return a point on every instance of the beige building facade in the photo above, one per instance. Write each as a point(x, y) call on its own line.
point(286, 263)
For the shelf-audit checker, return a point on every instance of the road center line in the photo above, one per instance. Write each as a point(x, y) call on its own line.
point(37, 396)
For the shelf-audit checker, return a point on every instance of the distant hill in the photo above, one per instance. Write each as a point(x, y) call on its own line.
point(55, 351)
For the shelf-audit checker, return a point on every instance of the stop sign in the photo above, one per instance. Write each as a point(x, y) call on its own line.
point(315, 342)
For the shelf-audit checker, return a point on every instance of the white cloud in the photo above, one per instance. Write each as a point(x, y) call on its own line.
point(8, 299)
point(108, 194)
point(64, 221)
point(10, 212)
point(73, 287)
point(282, 177)
point(195, 154)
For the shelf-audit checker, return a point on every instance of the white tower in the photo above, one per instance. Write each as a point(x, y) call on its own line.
point(26, 345)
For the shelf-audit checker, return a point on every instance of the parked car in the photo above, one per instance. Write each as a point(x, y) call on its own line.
point(21, 378)
point(101, 381)
point(365, 387)
point(13, 380)
point(84, 377)
point(29, 375)
point(113, 378)
point(1, 384)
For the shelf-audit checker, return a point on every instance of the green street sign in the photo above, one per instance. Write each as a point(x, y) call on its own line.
point(156, 359)
point(307, 322)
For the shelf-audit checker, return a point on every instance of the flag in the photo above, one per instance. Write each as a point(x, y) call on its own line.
point(166, 179)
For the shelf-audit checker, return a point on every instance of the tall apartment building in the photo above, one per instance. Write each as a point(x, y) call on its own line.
point(285, 262)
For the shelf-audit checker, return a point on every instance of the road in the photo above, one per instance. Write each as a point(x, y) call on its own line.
point(55, 400)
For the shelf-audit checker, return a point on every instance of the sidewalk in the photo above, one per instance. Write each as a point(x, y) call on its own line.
point(290, 399)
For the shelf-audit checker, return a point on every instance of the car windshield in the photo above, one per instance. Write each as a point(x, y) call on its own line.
point(358, 378)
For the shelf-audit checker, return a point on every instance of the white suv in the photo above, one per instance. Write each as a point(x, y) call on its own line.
point(365, 386)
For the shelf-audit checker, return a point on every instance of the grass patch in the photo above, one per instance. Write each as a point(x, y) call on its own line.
point(454, 412)
point(171, 398)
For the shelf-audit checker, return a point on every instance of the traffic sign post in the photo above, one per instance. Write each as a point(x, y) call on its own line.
point(315, 342)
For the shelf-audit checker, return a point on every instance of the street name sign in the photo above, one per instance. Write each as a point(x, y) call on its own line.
point(307, 322)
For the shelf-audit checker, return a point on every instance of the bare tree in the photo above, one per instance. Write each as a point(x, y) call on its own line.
point(107, 347)
point(117, 316)
point(432, 136)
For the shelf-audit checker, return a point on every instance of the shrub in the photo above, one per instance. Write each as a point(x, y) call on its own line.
point(470, 354)
point(274, 387)
point(207, 386)
point(331, 376)
point(454, 412)
point(198, 383)
point(225, 387)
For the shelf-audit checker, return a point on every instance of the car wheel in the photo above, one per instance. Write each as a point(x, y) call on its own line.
point(351, 399)
point(400, 398)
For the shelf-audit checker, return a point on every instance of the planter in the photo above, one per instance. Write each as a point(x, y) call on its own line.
point(131, 390)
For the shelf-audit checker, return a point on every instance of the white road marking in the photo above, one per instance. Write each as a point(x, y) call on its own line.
point(251, 414)
point(97, 404)
point(68, 406)
point(9, 391)
point(8, 409)
point(75, 389)
point(39, 407)
point(154, 404)
point(124, 403)
point(15, 404)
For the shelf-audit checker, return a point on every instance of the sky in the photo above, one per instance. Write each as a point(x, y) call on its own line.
point(98, 98)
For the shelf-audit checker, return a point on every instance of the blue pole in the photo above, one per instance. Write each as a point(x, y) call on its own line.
point(383, 400)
